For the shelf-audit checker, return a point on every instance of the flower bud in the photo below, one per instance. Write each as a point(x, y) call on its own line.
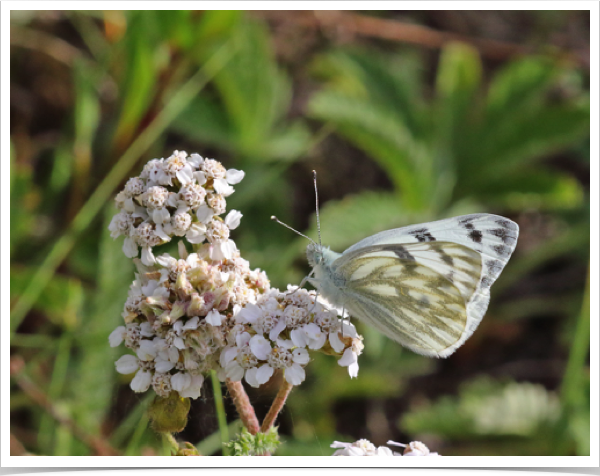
point(169, 414)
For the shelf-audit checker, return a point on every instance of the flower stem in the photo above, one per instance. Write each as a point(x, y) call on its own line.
point(276, 406)
point(243, 406)
point(220, 408)
point(170, 440)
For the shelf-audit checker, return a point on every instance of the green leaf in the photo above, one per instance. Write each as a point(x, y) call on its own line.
point(248, 116)
point(519, 87)
point(260, 444)
point(531, 189)
point(140, 74)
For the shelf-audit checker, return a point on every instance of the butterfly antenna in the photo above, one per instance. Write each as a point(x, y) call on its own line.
point(274, 218)
point(317, 206)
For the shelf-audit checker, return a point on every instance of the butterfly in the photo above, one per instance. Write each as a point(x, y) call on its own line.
point(425, 286)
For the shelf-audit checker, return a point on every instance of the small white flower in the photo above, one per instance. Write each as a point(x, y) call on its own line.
point(361, 448)
point(116, 337)
point(193, 389)
point(222, 250)
point(127, 364)
point(233, 218)
point(120, 224)
point(258, 376)
point(204, 213)
point(260, 347)
point(181, 381)
point(147, 350)
point(161, 215)
point(222, 187)
point(196, 160)
point(234, 176)
point(249, 314)
point(141, 382)
point(414, 448)
point(350, 359)
point(147, 256)
point(214, 318)
point(196, 233)
point(130, 248)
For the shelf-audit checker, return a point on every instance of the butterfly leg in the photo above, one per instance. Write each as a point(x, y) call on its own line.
point(301, 284)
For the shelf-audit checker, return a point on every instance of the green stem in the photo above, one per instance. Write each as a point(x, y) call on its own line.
point(220, 408)
point(98, 199)
point(171, 442)
point(571, 388)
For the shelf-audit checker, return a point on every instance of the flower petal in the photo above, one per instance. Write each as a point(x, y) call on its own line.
point(127, 364)
point(214, 318)
point(233, 218)
point(260, 347)
point(130, 248)
point(294, 374)
point(141, 381)
point(181, 381)
point(234, 176)
point(264, 373)
point(116, 337)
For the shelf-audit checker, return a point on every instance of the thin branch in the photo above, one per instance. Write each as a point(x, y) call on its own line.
point(351, 23)
point(243, 406)
point(276, 406)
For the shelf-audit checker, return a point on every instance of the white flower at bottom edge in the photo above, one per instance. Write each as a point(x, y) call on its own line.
point(360, 448)
point(414, 448)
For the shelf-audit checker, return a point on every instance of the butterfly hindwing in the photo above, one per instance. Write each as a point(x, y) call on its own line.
point(422, 306)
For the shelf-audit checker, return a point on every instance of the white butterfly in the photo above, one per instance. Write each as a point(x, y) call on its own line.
point(425, 286)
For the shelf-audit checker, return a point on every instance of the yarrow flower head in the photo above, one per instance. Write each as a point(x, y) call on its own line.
point(206, 309)
point(277, 333)
point(178, 196)
point(366, 448)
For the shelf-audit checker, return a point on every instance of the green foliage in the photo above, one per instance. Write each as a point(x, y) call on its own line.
point(467, 139)
point(488, 408)
point(260, 444)
point(463, 143)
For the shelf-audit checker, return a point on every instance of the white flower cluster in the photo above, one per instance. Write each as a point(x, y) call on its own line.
point(179, 315)
point(208, 310)
point(277, 332)
point(366, 448)
point(178, 196)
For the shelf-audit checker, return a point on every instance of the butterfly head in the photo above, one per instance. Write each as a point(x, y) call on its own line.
point(314, 254)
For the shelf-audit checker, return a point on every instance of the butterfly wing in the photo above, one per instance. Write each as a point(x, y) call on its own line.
point(427, 286)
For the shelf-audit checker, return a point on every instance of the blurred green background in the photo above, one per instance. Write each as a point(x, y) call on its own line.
point(406, 116)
